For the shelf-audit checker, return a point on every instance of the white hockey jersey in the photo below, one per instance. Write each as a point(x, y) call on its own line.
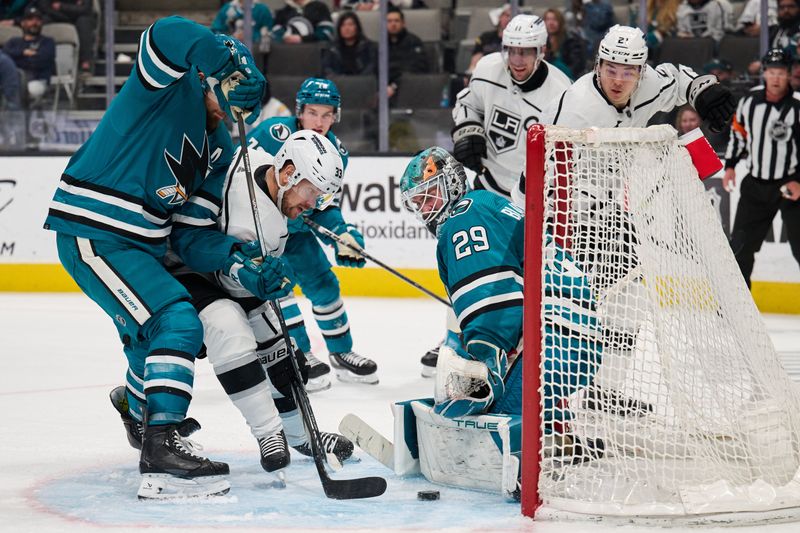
point(584, 105)
point(236, 217)
point(505, 111)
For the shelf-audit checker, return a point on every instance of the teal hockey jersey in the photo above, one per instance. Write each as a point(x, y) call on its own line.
point(151, 151)
point(270, 136)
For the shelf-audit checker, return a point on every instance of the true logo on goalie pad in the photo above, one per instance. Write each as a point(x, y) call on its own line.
point(503, 129)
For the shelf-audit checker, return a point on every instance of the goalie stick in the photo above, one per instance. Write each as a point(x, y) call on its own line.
point(331, 235)
point(339, 489)
point(368, 439)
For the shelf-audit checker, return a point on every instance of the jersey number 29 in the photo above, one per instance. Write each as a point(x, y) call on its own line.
point(467, 242)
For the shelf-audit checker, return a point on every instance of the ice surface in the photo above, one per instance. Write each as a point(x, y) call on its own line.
point(65, 464)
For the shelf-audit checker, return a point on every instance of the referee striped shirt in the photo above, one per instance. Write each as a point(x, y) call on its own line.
point(768, 133)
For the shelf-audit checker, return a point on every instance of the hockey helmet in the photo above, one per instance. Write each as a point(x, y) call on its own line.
point(525, 31)
point(433, 176)
point(776, 57)
point(623, 44)
point(318, 91)
point(316, 160)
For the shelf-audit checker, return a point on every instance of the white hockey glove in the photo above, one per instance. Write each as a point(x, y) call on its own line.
point(345, 255)
point(468, 383)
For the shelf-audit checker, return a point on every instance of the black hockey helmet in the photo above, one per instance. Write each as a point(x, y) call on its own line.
point(776, 57)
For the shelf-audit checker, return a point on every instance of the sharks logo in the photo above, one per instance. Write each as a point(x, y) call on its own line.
point(185, 169)
point(279, 132)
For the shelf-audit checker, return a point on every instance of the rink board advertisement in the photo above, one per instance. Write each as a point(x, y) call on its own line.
point(370, 200)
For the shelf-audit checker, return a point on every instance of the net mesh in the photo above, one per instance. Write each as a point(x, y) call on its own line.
point(661, 390)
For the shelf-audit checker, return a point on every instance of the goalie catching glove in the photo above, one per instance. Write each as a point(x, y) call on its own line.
point(714, 102)
point(469, 145)
point(265, 279)
point(238, 85)
point(468, 383)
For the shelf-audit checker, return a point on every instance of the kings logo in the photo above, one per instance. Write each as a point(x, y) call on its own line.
point(503, 129)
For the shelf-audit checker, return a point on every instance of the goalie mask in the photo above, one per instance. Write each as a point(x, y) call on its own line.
point(432, 184)
point(316, 160)
point(525, 35)
point(318, 91)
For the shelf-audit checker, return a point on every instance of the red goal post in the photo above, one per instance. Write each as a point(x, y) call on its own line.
point(652, 391)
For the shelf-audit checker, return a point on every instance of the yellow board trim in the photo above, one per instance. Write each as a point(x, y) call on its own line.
point(771, 297)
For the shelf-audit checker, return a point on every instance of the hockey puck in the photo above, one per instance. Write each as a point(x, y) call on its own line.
point(428, 495)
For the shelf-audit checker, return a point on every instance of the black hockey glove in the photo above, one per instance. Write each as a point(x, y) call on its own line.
point(469, 145)
point(715, 105)
point(279, 367)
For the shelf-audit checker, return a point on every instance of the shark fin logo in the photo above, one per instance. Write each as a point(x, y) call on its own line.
point(191, 164)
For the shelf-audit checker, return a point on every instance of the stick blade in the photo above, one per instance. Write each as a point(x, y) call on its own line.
point(354, 489)
point(368, 439)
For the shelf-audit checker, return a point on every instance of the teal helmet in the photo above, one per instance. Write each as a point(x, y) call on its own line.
point(432, 184)
point(318, 91)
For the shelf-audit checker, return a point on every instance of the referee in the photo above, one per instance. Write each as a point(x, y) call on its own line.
point(767, 127)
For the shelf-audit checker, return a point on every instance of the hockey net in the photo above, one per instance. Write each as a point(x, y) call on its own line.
point(659, 391)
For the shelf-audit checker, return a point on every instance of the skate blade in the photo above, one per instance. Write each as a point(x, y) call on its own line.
point(428, 371)
point(280, 480)
point(318, 384)
point(168, 487)
point(350, 377)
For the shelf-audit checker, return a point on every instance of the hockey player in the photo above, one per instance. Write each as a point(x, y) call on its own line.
point(318, 108)
point(480, 258)
point(113, 211)
point(241, 329)
point(506, 94)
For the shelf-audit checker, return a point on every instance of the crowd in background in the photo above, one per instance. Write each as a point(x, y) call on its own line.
point(27, 61)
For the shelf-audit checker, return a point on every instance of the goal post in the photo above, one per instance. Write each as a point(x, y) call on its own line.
point(651, 387)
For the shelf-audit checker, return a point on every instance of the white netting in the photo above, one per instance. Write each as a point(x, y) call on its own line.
point(662, 393)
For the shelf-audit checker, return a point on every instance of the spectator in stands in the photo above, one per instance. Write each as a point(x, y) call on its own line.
point(33, 53)
point(406, 53)
point(11, 11)
point(704, 18)
point(372, 5)
point(662, 17)
point(490, 41)
point(720, 68)
point(794, 81)
point(749, 22)
point(9, 83)
point(687, 119)
point(230, 20)
point(352, 53)
point(79, 13)
point(566, 49)
point(598, 17)
point(782, 34)
point(303, 21)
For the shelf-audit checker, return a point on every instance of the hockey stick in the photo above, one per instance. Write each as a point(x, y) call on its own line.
point(368, 439)
point(337, 489)
point(331, 235)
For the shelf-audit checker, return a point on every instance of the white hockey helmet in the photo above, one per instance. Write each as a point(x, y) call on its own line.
point(623, 44)
point(525, 31)
point(315, 159)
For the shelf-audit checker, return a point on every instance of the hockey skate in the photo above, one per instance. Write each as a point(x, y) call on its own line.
point(612, 402)
point(275, 456)
point(319, 374)
point(171, 469)
point(134, 429)
point(338, 445)
point(429, 362)
point(350, 366)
